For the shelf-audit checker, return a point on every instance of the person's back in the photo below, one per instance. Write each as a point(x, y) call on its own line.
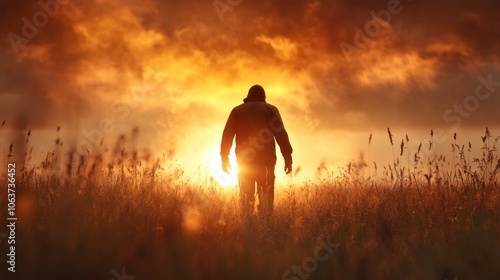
point(256, 124)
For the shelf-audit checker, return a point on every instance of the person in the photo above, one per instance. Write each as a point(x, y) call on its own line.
point(257, 126)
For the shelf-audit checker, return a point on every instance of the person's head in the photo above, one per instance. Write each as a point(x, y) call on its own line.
point(255, 93)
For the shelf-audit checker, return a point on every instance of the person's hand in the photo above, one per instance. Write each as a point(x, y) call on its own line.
point(288, 167)
point(226, 166)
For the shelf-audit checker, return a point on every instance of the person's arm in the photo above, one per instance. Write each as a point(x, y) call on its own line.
point(281, 136)
point(227, 140)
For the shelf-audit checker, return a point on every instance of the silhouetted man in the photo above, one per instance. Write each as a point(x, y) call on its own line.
point(256, 124)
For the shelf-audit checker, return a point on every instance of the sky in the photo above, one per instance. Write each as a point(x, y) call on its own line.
point(172, 71)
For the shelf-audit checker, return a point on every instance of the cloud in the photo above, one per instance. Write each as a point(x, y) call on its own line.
point(173, 63)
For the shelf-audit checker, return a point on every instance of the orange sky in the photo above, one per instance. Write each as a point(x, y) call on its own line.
point(174, 69)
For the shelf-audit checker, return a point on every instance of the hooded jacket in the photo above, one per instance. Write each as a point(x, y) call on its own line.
point(257, 126)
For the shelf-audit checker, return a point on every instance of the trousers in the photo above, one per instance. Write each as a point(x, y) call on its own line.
point(260, 177)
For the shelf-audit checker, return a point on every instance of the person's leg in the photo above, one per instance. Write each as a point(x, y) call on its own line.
point(270, 192)
point(246, 181)
point(262, 190)
point(265, 190)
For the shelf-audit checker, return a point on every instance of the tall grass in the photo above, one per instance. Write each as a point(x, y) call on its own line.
point(80, 217)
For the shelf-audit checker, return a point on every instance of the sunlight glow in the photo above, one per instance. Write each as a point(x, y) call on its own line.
point(221, 177)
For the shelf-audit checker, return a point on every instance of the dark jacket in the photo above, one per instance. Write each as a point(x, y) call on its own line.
point(256, 125)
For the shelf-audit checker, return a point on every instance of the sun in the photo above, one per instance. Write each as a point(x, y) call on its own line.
point(222, 178)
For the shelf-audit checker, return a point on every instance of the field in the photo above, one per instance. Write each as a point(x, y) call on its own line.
point(123, 217)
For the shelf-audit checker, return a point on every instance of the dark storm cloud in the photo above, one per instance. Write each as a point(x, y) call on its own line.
point(468, 31)
point(46, 87)
point(35, 86)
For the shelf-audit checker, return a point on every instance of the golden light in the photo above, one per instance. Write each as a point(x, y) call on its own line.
point(221, 177)
point(192, 220)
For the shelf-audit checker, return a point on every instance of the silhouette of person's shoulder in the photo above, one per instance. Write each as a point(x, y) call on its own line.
point(255, 106)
